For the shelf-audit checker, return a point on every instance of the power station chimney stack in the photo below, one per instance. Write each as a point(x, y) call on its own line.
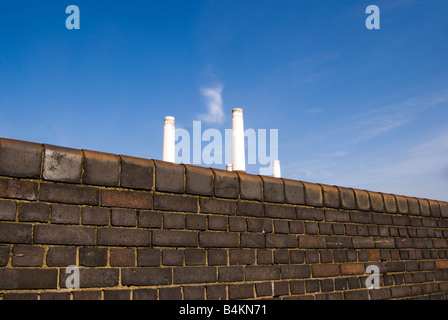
point(169, 138)
point(276, 169)
point(238, 152)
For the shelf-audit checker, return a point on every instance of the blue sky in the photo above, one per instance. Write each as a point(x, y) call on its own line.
point(354, 107)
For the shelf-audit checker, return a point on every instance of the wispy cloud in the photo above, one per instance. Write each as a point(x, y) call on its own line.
point(214, 105)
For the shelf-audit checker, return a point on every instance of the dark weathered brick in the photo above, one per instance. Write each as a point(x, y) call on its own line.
point(356, 295)
point(61, 256)
point(20, 159)
point(434, 208)
point(148, 257)
point(199, 180)
point(136, 173)
point(242, 257)
point(257, 273)
point(382, 219)
point(390, 203)
point(363, 243)
point(313, 194)
point(194, 275)
point(170, 177)
point(237, 224)
point(124, 217)
point(33, 211)
point(4, 255)
point(92, 257)
point(281, 226)
point(146, 276)
point(226, 184)
point(384, 243)
point(273, 189)
point(330, 196)
point(93, 277)
point(311, 228)
point(347, 198)
point(7, 210)
point(217, 257)
point(263, 289)
point(424, 207)
point(295, 271)
point(18, 189)
point(218, 239)
point(217, 206)
point(443, 209)
point(230, 274)
point(55, 296)
point(362, 200)
point(172, 238)
point(352, 269)
point(72, 194)
point(195, 257)
point(376, 201)
point(217, 223)
point(312, 242)
point(167, 202)
point(87, 295)
point(150, 219)
point(14, 279)
point(216, 292)
point(250, 186)
point(27, 256)
point(281, 241)
point(241, 291)
point(15, 233)
point(64, 214)
point(279, 211)
point(194, 293)
point(255, 240)
point(117, 295)
point(20, 296)
point(122, 257)
point(123, 237)
point(335, 242)
point(402, 204)
point(259, 225)
point(250, 209)
point(145, 294)
point(100, 168)
point(174, 221)
point(172, 257)
point(173, 293)
point(95, 216)
point(414, 207)
point(294, 192)
point(296, 227)
point(196, 222)
point(126, 199)
point(62, 164)
point(336, 216)
point(68, 235)
point(310, 214)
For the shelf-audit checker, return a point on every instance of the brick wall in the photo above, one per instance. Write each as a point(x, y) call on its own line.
point(147, 229)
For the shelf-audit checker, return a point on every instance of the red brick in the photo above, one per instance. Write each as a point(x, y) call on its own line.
point(250, 186)
point(20, 159)
point(352, 268)
point(273, 189)
point(313, 194)
point(72, 194)
point(62, 164)
point(18, 189)
point(441, 264)
point(100, 168)
point(126, 199)
point(325, 270)
point(169, 177)
point(136, 173)
point(124, 237)
point(199, 180)
point(68, 235)
point(15, 233)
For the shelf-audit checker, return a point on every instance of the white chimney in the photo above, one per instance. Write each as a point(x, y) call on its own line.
point(238, 153)
point(229, 167)
point(276, 169)
point(169, 140)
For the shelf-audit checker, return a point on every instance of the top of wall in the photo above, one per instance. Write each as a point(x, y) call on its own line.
point(20, 159)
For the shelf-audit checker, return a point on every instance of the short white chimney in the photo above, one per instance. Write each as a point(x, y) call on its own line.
point(238, 153)
point(169, 140)
point(276, 169)
point(229, 167)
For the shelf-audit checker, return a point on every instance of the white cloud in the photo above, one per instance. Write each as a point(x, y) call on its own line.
point(214, 104)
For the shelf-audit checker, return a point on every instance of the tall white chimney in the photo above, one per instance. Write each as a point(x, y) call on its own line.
point(238, 154)
point(276, 169)
point(169, 139)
